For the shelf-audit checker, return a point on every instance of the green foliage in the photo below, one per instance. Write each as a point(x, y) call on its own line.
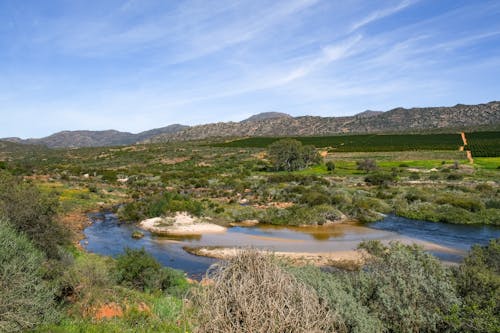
point(380, 178)
point(407, 289)
point(139, 270)
point(25, 299)
point(338, 293)
point(291, 155)
point(330, 166)
point(478, 284)
point(31, 213)
point(158, 205)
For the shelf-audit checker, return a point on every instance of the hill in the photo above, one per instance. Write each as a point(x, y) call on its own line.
point(266, 116)
point(97, 138)
point(396, 120)
point(276, 124)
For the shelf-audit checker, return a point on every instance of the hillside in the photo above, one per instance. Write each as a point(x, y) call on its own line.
point(97, 138)
point(396, 120)
point(274, 124)
point(266, 116)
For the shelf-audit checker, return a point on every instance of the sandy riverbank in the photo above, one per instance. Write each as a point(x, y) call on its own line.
point(180, 225)
point(346, 259)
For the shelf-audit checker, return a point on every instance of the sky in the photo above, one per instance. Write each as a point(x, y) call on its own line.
point(142, 64)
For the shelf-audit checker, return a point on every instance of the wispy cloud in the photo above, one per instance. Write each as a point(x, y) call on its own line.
point(141, 64)
point(380, 14)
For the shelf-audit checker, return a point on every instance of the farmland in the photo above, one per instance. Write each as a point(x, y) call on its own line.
point(364, 143)
point(484, 144)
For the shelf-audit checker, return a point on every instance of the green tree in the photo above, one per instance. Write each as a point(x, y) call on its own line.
point(291, 155)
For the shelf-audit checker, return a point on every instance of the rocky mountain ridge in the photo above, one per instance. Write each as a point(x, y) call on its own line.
point(396, 120)
point(457, 117)
point(97, 138)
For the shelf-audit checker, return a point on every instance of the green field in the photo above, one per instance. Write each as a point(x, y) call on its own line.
point(364, 143)
point(484, 144)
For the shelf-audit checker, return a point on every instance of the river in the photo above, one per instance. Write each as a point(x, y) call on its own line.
point(107, 236)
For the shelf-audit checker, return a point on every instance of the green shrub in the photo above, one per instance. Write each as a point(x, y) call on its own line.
point(407, 289)
point(32, 213)
point(25, 300)
point(330, 166)
point(414, 176)
point(455, 176)
point(338, 293)
point(469, 203)
point(139, 270)
point(478, 284)
point(380, 178)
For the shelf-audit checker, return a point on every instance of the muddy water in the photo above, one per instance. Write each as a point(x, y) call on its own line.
point(108, 236)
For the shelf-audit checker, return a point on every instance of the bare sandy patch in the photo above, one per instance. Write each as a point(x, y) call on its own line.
point(180, 224)
point(346, 259)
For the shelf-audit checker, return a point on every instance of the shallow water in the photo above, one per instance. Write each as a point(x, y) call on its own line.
point(108, 236)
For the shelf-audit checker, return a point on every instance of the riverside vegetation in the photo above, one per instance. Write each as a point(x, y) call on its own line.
point(48, 284)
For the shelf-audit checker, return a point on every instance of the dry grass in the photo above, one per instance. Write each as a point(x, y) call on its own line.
point(252, 293)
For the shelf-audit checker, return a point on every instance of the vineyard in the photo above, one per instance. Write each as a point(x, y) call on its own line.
point(484, 144)
point(364, 143)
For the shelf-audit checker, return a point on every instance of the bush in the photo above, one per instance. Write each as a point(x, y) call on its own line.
point(367, 165)
point(32, 213)
point(87, 275)
point(252, 293)
point(478, 284)
point(338, 293)
point(330, 166)
point(407, 289)
point(380, 178)
point(25, 300)
point(139, 270)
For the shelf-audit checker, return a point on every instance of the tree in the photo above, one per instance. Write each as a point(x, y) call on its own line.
point(291, 155)
point(367, 165)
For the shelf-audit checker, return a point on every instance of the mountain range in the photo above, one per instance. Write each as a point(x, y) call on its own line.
point(458, 117)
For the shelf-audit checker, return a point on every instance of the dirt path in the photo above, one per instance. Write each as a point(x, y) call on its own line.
point(468, 152)
point(464, 139)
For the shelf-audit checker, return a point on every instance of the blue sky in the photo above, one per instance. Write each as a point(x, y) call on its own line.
point(140, 64)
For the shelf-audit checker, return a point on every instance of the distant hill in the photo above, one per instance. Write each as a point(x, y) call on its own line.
point(459, 117)
point(266, 115)
point(97, 138)
point(396, 120)
point(368, 113)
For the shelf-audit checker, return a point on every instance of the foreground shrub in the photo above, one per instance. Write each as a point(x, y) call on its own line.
point(252, 293)
point(139, 270)
point(407, 289)
point(31, 213)
point(478, 284)
point(338, 293)
point(25, 301)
